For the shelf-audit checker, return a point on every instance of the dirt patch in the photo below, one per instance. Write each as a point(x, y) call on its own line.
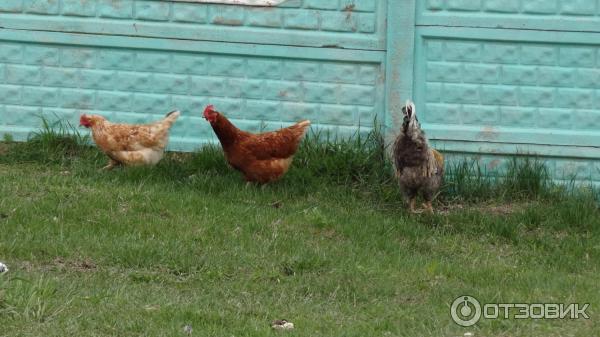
point(4, 149)
point(79, 264)
point(58, 264)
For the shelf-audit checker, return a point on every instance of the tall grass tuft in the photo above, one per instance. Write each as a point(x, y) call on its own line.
point(467, 180)
point(54, 142)
point(356, 160)
point(524, 177)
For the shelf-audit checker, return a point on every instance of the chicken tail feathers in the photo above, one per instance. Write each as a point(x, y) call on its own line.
point(173, 114)
point(300, 128)
point(171, 117)
point(304, 123)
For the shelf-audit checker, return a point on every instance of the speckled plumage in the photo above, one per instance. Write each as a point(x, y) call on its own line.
point(419, 168)
point(127, 144)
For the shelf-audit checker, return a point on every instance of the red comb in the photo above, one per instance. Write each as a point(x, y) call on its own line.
point(209, 108)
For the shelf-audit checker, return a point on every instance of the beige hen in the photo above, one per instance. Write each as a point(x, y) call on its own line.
point(127, 144)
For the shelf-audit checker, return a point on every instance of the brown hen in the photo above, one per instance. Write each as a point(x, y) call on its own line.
point(261, 158)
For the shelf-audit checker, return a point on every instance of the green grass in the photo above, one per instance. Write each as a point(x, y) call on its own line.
point(145, 251)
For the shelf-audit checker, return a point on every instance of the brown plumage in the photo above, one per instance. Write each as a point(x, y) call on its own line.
point(127, 144)
point(419, 168)
point(261, 158)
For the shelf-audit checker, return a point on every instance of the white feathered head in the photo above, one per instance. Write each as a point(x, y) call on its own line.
point(410, 121)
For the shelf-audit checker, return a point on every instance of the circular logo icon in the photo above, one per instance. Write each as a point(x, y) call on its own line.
point(465, 311)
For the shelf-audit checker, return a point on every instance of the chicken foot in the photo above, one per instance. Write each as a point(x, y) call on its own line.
point(111, 164)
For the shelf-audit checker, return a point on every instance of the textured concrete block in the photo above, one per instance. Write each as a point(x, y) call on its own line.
point(434, 50)
point(339, 73)
point(77, 98)
point(133, 81)
point(39, 96)
point(500, 53)
point(10, 94)
point(11, 6)
point(207, 86)
point(283, 91)
point(462, 51)
point(172, 84)
point(79, 7)
point(519, 75)
point(443, 113)
point(47, 56)
point(433, 92)
point(61, 77)
point(502, 6)
point(190, 13)
point(577, 57)
point(556, 77)
point(121, 9)
point(541, 55)
point(99, 79)
point(227, 66)
point(153, 104)
point(114, 101)
point(481, 73)
point(540, 97)
point(152, 62)
point(540, 6)
point(444, 72)
point(518, 116)
point(499, 95)
point(357, 95)
point(271, 69)
point(302, 71)
point(575, 98)
point(460, 93)
point(78, 57)
point(464, 5)
point(554, 118)
point(17, 74)
point(339, 22)
point(321, 92)
point(338, 115)
point(113, 59)
point(301, 19)
point(480, 115)
point(578, 7)
point(262, 110)
point(226, 15)
point(189, 64)
point(152, 10)
point(11, 53)
point(265, 17)
point(358, 5)
point(247, 88)
point(46, 7)
point(587, 78)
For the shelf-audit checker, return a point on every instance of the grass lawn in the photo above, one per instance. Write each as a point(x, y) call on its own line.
point(145, 251)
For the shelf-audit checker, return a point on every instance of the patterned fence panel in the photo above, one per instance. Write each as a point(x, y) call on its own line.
point(133, 61)
point(495, 77)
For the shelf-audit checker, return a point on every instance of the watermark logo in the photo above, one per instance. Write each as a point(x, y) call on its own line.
point(467, 310)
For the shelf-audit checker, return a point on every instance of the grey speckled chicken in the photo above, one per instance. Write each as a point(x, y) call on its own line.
point(419, 168)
